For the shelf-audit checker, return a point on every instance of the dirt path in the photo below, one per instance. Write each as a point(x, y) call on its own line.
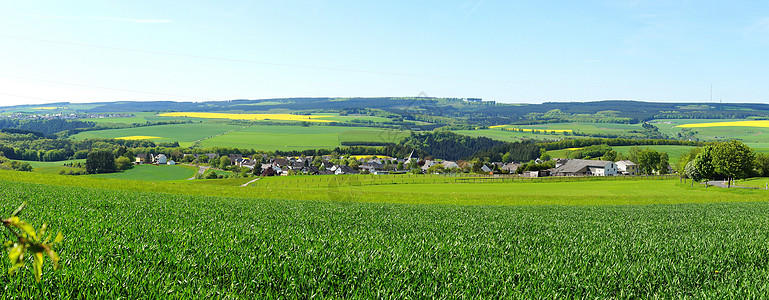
point(200, 171)
point(250, 182)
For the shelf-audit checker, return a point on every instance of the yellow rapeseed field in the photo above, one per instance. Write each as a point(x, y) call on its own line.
point(505, 127)
point(49, 107)
point(754, 123)
point(279, 117)
point(138, 137)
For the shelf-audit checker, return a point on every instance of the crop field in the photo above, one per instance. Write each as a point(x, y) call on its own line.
point(753, 133)
point(164, 244)
point(274, 137)
point(522, 129)
point(509, 136)
point(185, 134)
point(252, 117)
point(152, 173)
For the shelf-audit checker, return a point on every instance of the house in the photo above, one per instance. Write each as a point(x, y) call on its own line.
point(485, 169)
point(510, 167)
point(584, 167)
point(626, 167)
point(280, 162)
point(343, 169)
point(235, 159)
point(161, 159)
point(372, 167)
point(211, 156)
point(171, 162)
point(449, 164)
point(560, 162)
point(428, 164)
point(141, 158)
point(540, 173)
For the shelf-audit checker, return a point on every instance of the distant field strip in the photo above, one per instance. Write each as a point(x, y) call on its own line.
point(505, 127)
point(755, 123)
point(279, 117)
point(138, 137)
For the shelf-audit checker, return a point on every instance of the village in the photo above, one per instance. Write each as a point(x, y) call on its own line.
point(263, 165)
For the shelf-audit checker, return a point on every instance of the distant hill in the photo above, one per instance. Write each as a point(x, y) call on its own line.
point(471, 111)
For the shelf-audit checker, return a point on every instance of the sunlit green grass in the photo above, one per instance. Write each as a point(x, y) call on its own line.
point(185, 134)
point(152, 173)
point(167, 243)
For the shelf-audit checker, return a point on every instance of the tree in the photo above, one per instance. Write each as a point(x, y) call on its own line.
point(761, 164)
point(684, 160)
point(703, 163)
point(123, 163)
point(733, 159)
point(611, 155)
point(648, 161)
point(691, 171)
point(100, 161)
point(632, 154)
point(224, 162)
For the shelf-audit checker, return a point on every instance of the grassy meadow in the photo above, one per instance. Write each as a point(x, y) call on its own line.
point(275, 137)
point(185, 134)
point(152, 173)
point(173, 240)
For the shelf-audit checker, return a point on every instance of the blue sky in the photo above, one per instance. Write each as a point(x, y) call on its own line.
point(508, 51)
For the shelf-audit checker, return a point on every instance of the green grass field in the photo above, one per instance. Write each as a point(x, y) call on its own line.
point(185, 134)
point(273, 137)
point(169, 240)
point(152, 173)
point(509, 136)
point(749, 135)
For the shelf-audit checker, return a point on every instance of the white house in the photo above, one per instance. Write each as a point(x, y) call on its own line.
point(161, 159)
point(626, 167)
point(171, 162)
point(584, 167)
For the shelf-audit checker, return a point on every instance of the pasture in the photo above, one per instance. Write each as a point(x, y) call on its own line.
point(185, 134)
point(753, 133)
point(165, 242)
point(275, 137)
point(249, 117)
point(152, 173)
point(509, 136)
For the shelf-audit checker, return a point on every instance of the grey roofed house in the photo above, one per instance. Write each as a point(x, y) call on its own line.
point(485, 168)
point(344, 169)
point(560, 162)
point(583, 167)
point(449, 164)
point(281, 162)
point(510, 167)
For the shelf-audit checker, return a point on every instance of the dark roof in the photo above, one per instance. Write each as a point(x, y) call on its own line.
point(580, 165)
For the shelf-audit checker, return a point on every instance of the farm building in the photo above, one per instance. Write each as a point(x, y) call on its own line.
point(626, 167)
point(161, 159)
point(510, 167)
point(583, 167)
point(449, 164)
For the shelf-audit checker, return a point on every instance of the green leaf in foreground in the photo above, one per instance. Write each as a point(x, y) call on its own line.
point(27, 239)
